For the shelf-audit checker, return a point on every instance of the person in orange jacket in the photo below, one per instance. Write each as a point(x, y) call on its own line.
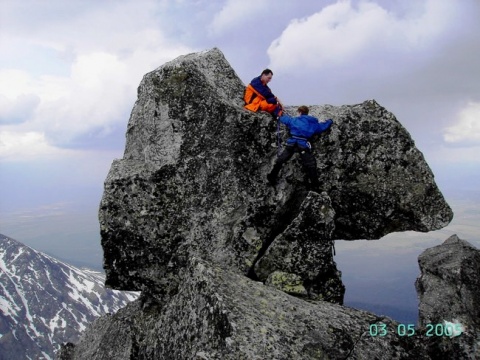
point(259, 97)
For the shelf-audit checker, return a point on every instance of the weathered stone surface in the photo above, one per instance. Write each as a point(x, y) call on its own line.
point(377, 179)
point(300, 260)
point(187, 213)
point(449, 292)
point(192, 180)
point(218, 314)
point(108, 337)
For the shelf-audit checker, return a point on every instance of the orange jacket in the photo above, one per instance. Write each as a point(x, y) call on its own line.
point(252, 98)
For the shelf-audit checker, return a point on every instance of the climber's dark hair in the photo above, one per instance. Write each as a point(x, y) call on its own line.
point(303, 110)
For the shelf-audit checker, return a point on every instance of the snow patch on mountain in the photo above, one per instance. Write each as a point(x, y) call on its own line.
point(45, 302)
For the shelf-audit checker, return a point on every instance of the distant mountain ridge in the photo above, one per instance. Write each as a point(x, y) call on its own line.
point(45, 302)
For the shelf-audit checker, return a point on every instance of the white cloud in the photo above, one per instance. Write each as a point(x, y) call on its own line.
point(27, 146)
point(13, 82)
point(466, 130)
point(97, 93)
point(235, 12)
point(104, 52)
point(342, 33)
point(17, 110)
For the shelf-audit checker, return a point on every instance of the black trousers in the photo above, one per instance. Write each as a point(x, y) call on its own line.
point(307, 159)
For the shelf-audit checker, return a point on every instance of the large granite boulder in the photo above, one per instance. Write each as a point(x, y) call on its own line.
point(449, 292)
point(377, 179)
point(192, 179)
point(188, 218)
point(218, 314)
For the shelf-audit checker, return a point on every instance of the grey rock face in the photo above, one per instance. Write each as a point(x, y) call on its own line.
point(187, 213)
point(449, 292)
point(300, 261)
point(218, 314)
point(192, 180)
point(377, 179)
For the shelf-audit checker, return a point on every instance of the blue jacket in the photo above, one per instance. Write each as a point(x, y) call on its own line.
point(303, 127)
point(264, 90)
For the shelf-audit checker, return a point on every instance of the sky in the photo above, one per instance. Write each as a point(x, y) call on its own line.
point(69, 72)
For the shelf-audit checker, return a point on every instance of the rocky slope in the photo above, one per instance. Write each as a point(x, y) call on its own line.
point(187, 214)
point(45, 302)
point(449, 292)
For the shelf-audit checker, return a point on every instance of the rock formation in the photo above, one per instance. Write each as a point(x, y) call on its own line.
point(220, 314)
point(187, 214)
point(449, 292)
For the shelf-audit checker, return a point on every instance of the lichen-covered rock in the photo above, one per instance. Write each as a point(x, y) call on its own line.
point(377, 179)
point(218, 314)
point(304, 251)
point(449, 292)
point(288, 282)
point(187, 213)
point(192, 179)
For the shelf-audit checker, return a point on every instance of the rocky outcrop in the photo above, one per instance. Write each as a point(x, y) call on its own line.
point(192, 179)
point(299, 260)
point(449, 292)
point(378, 181)
point(187, 213)
point(219, 314)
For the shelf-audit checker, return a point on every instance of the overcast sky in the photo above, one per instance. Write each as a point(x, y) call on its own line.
point(69, 71)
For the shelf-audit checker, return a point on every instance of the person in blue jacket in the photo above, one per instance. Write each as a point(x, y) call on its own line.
point(301, 128)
